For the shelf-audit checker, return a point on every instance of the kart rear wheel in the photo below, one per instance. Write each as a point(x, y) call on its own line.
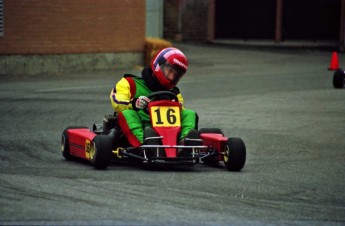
point(100, 151)
point(235, 154)
point(338, 79)
point(65, 142)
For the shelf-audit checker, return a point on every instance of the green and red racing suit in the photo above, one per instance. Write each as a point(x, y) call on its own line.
point(132, 121)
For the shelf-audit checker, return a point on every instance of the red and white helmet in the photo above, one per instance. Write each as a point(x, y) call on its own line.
point(169, 65)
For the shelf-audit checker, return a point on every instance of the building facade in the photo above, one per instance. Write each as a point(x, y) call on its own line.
point(40, 36)
point(275, 20)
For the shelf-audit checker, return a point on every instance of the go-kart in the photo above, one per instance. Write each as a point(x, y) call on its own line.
point(105, 142)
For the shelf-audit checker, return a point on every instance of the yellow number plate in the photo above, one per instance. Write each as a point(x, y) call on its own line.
point(165, 116)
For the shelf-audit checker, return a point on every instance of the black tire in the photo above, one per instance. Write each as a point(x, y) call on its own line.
point(210, 130)
point(100, 152)
point(338, 79)
point(235, 154)
point(65, 142)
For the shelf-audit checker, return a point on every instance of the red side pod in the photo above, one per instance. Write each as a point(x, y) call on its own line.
point(216, 141)
point(80, 142)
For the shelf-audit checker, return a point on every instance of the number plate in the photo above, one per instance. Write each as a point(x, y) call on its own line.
point(165, 116)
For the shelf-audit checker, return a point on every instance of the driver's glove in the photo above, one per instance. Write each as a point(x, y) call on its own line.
point(141, 102)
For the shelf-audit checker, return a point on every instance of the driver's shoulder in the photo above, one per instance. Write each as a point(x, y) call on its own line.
point(133, 80)
point(132, 76)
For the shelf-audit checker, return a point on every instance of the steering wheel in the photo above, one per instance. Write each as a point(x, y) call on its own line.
point(163, 95)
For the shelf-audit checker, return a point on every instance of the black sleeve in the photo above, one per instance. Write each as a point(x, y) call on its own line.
point(133, 104)
point(175, 90)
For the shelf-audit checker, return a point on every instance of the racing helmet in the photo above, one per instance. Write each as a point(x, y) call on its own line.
point(169, 65)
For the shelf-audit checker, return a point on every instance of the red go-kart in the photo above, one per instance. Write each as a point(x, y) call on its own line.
point(104, 142)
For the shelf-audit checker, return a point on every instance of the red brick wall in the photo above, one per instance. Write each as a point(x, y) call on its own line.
point(195, 20)
point(187, 17)
point(170, 19)
point(73, 26)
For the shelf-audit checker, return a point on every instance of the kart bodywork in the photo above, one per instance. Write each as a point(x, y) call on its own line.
point(102, 143)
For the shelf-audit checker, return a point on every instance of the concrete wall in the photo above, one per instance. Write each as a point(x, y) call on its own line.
point(154, 18)
point(61, 63)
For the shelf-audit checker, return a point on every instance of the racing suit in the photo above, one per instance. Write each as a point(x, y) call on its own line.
point(132, 121)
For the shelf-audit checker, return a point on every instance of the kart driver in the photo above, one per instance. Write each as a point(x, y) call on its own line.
point(129, 97)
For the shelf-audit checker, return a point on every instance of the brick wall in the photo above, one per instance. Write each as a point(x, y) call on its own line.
point(170, 19)
point(72, 26)
point(186, 17)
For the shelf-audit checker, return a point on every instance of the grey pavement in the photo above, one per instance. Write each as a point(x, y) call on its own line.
point(281, 102)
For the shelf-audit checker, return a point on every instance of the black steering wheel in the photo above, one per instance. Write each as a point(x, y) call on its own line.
point(163, 95)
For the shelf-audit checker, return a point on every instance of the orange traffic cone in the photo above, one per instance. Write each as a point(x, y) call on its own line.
point(334, 65)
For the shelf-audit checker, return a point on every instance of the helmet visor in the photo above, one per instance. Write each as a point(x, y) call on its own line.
point(171, 73)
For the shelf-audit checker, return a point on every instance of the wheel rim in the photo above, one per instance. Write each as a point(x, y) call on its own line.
point(93, 150)
point(226, 153)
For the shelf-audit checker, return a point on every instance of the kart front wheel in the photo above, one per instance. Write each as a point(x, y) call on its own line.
point(234, 154)
point(100, 151)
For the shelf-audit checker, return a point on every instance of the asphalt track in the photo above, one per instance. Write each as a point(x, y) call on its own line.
point(280, 102)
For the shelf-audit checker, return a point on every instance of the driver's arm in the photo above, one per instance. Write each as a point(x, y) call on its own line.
point(120, 96)
point(180, 99)
point(176, 90)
